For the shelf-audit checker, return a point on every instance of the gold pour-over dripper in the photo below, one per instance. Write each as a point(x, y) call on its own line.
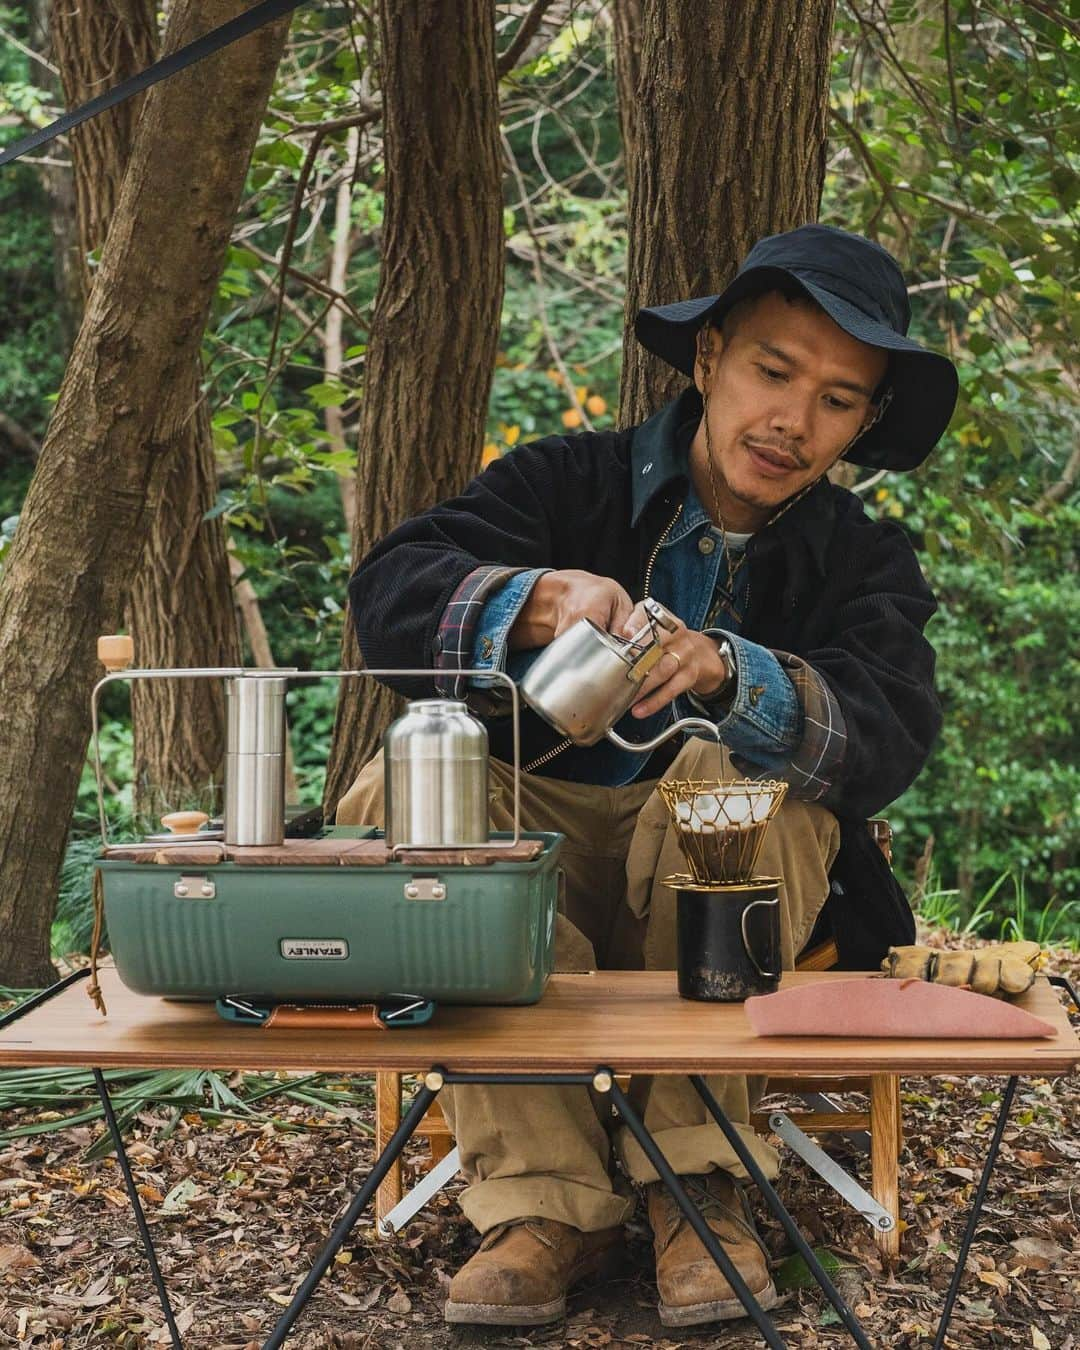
point(721, 826)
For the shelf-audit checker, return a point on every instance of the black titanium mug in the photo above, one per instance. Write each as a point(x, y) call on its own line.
point(728, 938)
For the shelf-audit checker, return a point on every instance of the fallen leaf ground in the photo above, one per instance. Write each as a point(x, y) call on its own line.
point(240, 1209)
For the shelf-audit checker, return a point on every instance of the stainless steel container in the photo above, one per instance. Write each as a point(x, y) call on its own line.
point(255, 760)
point(436, 766)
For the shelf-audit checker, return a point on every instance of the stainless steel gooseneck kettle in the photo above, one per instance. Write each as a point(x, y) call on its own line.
point(585, 680)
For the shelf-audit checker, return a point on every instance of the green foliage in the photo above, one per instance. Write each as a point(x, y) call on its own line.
point(311, 707)
point(175, 1092)
point(531, 396)
point(296, 557)
point(32, 351)
point(794, 1273)
point(1049, 926)
point(1003, 912)
point(116, 743)
point(73, 924)
point(1002, 786)
point(970, 174)
point(561, 343)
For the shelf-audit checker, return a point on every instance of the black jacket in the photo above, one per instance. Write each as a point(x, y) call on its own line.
point(826, 583)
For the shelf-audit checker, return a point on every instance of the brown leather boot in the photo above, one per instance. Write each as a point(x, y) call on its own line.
point(692, 1287)
point(522, 1270)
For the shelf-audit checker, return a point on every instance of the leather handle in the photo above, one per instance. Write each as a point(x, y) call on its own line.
point(185, 822)
point(358, 1017)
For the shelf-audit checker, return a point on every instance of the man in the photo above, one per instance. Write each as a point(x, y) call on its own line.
point(800, 635)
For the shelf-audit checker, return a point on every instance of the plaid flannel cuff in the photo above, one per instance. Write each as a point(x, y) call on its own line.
point(781, 719)
point(456, 634)
point(817, 758)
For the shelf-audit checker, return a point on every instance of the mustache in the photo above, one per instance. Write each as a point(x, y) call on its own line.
point(784, 451)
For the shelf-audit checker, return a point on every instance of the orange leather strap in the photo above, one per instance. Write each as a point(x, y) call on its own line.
point(358, 1017)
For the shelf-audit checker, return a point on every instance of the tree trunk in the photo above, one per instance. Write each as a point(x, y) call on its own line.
point(627, 22)
point(125, 397)
point(333, 336)
point(181, 613)
point(968, 850)
point(729, 146)
point(96, 46)
point(59, 185)
point(181, 607)
point(434, 333)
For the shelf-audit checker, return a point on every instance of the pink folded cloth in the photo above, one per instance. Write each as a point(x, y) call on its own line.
point(898, 1008)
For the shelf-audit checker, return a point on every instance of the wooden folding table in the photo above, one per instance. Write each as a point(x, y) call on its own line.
point(585, 1030)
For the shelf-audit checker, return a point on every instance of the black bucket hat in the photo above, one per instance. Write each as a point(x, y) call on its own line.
point(861, 288)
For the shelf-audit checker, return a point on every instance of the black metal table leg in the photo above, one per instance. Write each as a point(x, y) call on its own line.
point(694, 1217)
point(521, 1079)
point(42, 996)
point(136, 1205)
point(383, 1163)
point(1060, 982)
point(976, 1210)
point(777, 1206)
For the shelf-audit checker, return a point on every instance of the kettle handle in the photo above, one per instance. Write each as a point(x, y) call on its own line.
point(645, 642)
point(683, 724)
point(657, 616)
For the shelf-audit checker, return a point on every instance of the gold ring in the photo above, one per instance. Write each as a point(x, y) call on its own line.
point(675, 654)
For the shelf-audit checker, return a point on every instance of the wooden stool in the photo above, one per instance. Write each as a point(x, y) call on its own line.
point(433, 1128)
point(882, 1120)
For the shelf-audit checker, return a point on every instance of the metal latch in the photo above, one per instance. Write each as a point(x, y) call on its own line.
point(425, 888)
point(875, 1214)
point(199, 888)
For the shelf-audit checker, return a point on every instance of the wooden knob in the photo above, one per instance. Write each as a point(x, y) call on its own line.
point(115, 651)
point(185, 822)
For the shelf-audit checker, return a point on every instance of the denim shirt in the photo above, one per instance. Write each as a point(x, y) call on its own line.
point(762, 720)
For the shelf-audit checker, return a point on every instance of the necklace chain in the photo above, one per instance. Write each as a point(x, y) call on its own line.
point(714, 488)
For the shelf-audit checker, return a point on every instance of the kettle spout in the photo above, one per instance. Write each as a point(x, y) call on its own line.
point(684, 724)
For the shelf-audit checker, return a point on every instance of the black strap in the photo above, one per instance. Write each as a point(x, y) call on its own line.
point(264, 12)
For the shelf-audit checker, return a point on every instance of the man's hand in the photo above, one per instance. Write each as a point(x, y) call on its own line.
point(559, 599)
point(691, 663)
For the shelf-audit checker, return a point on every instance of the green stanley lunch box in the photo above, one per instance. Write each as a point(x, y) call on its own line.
point(456, 934)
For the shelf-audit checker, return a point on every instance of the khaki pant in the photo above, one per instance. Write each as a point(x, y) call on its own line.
point(547, 1150)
